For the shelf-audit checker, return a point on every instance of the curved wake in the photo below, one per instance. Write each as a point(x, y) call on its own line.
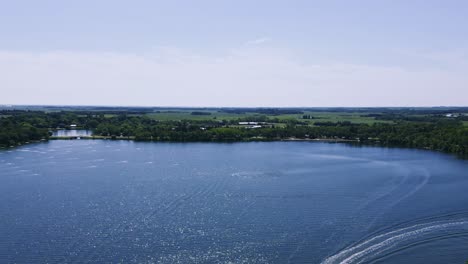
point(374, 246)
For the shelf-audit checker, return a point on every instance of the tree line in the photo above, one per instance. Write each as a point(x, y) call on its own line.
point(441, 134)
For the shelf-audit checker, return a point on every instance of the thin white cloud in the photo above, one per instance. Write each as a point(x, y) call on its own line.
point(258, 41)
point(245, 77)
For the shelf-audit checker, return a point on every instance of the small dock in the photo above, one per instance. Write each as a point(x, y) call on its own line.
point(87, 137)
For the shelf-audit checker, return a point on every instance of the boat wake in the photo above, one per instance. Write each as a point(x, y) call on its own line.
point(391, 241)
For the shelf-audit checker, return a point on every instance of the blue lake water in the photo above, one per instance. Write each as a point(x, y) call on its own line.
point(79, 201)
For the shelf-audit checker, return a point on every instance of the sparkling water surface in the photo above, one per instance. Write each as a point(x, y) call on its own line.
point(98, 201)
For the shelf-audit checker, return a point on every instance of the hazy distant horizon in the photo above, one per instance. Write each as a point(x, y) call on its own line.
point(201, 107)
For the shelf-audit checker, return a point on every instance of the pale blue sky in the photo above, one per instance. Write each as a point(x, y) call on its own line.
point(233, 53)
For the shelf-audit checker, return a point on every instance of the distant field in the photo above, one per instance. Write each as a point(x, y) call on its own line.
point(353, 115)
point(186, 115)
point(343, 116)
point(318, 116)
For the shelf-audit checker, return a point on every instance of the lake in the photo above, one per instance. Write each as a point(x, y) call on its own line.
point(101, 201)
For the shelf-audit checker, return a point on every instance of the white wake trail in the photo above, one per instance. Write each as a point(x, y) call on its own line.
point(391, 239)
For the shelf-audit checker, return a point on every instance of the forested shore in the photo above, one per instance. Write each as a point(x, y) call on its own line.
point(434, 132)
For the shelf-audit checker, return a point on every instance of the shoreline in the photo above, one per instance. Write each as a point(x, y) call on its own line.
point(325, 140)
point(246, 140)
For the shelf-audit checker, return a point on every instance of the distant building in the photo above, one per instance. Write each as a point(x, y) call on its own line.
point(248, 123)
point(72, 125)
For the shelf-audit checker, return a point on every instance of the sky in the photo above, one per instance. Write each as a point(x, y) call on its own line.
point(245, 53)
